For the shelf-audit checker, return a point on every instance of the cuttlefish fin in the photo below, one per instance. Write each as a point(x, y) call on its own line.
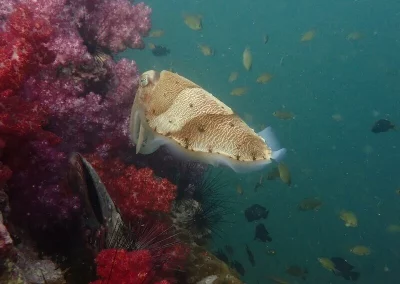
point(140, 138)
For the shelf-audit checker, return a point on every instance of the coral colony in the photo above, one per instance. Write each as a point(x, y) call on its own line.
point(62, 93)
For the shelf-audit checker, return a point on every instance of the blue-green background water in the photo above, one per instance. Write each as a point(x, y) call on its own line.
point(341, 162)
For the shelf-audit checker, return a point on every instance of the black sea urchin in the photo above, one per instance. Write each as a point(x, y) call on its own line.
point(203, 208)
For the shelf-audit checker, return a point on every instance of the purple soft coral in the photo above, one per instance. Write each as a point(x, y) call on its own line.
point(81, 117)
point(87, 96)
point(116, 24)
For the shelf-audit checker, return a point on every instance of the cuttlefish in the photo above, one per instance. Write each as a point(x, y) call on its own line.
point(173, 111)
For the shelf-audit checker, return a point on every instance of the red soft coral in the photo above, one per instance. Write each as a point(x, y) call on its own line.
point(5, 174)
point(123, 267)
point(135, 191)
point(21, 47)
point(28, 151)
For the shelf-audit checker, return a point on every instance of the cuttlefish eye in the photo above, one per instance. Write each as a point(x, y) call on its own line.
point(144, 80)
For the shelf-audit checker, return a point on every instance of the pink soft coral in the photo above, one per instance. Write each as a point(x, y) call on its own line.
point(116, 24)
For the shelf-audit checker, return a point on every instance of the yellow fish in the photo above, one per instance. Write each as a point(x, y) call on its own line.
point(151, 45)
point(310, 204)
point(360, 250)
point(233, 77)
point(156, 33)
point(354, 36)
point(327, 264)
point(264, 78)
point(308, 36)
point(349, 218)
point(284, 174)
point(337, 117)
point(206, 50)
point(239, 190)
point(240, 91)
point(393, 228)
point(247, 59)
point(194, 22)
point(284, 115)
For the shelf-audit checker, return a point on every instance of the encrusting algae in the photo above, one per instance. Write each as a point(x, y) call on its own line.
point(202, 264)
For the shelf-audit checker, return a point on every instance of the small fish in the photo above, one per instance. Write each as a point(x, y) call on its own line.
point(297, 271)
point(160, 50)
point(277, 280)
point(327, 264)
point(194, 22)
point(284, 115)
point(397, 191)
point(309, 204)
point(308, 36)
point(349, 218)
point(250, 256)
point(360, 250)
point(239, 267)
point(151, 45)
point(262, 234)
point(239, 190)
point(221, 255)
point(247, 58)
point(156, 33)
point(206, 50)
point(344, 269)
point(271, 252)
point(386, 268)
point(229, 249)
point(273, 174)
point(264, 78)
point(354, 36)
point(284, 174)
point(337, 117)
point(240, 91)
point(393, 228)
point(233, 77)
point(265, 38)
point(256, 212)
point(382, 125)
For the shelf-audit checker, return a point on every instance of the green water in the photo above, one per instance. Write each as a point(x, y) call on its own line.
point(343, 163)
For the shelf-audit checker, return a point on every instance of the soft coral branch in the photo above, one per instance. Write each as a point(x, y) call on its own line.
point(136, 191)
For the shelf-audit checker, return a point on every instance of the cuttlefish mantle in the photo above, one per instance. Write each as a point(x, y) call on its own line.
point(173, 111)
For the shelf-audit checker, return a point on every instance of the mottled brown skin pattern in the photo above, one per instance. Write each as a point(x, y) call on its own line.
point(181, 110)
point(160, 96)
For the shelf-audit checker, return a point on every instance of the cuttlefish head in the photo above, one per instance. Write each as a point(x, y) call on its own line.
point(156, 94)
point(148, 80)
point(137, 127)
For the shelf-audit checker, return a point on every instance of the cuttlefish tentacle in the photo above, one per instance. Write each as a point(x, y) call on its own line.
point(135, 127)
point(141, 134)
point(140, 138)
